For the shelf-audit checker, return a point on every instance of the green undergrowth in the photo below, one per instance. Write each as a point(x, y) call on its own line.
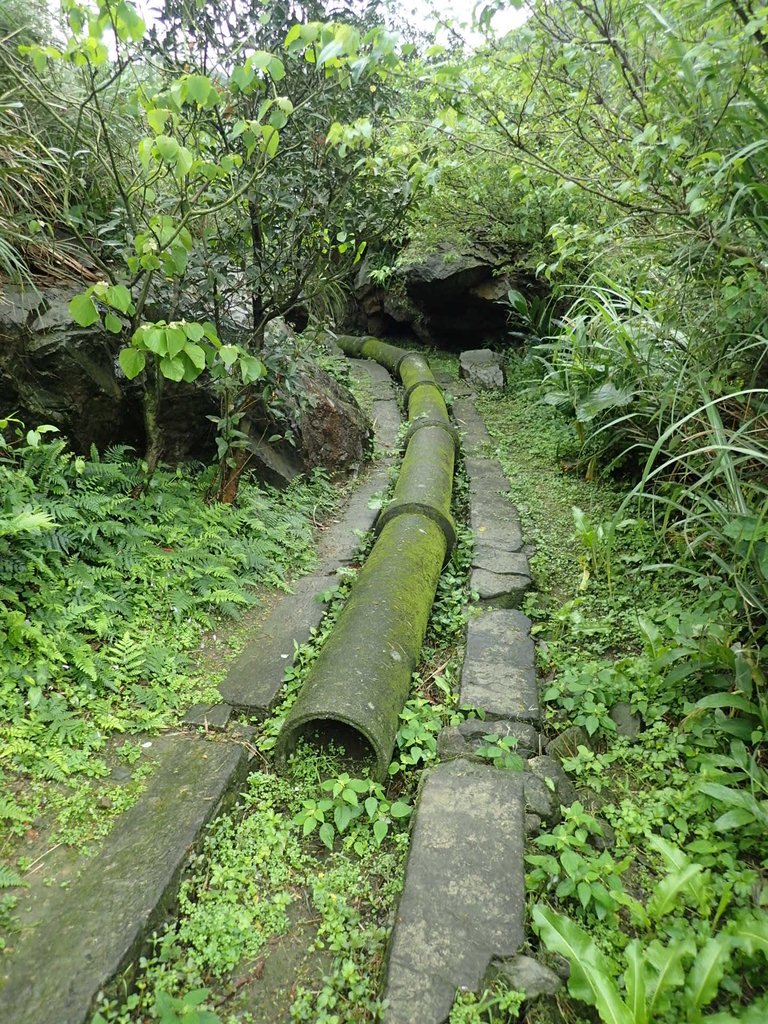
point(107, 603)
point(653, 885)
point(296, 888)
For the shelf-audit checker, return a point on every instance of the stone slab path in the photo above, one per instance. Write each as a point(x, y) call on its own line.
point(74, 940)
point(499, 675)
point(463, 901)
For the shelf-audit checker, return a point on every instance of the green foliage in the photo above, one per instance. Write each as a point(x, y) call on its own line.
point(347, 803)
point(495, 1006)
point(102, 593)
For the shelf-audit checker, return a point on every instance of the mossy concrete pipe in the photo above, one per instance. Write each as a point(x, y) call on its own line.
point(360, 681)
point(425, 481)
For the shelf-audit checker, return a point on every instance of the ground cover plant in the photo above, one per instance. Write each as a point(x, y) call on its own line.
point(653, 884)
point(107, 596)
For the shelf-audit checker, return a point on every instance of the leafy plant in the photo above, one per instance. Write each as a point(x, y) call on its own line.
point(344, 805)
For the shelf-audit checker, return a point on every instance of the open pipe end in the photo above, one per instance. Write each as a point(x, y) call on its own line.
point(326, 733)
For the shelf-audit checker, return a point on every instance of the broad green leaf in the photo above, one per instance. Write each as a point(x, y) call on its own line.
point(175, 340)
point(184, 161)
point(332, 49)
point(113, 323)
point(260, 59)
point(173, 369)
point(371, 806)
point(209, 330)
point(380, 829)
point(751, 933)
point(119, 297)
point(276, 69)
point(635, 982)
point(153, 339)
point(672, 889)
point(229, 354)
point(132, 362)
point(167, 148)
point(83, 310)
point(399, 809)
point(195, 332)
point(270, 140)
point(199, 88)
point(156, 119)
point(342, 816)
point(707, 971)
point(667, 961)
point(242, 78)
point(590, 978)
point(195, 354)
point(327, 834)
point(251, 369)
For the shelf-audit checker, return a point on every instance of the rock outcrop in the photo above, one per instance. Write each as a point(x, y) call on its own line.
point(449, 299)
point(54, 371)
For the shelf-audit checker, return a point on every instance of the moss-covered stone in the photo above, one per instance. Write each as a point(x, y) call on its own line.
point(425, 481)
point(362, 676)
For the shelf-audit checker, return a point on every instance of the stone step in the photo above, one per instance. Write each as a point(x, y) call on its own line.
point(499, 673)
point(463, 902)
point(75, 940)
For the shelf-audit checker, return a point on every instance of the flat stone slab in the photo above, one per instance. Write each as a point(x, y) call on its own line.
point(463, 904)
point(88, 933)
point(208, 716)
point(339, 544)
point(254, 681)
point(495, 523)
point(387, 422)
point(381, 379)
point(499, 674)
point(499, 589)
point(471, 426)
point(499, 560)
point(486, 476)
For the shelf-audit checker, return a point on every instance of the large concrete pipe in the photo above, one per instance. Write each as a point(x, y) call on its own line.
point(357, 687)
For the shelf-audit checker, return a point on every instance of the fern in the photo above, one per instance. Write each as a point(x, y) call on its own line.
point(10, 878)
point(101, 594)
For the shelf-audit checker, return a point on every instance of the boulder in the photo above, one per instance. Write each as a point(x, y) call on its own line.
point(482, 368)
point(448, 298)
point(53, 371)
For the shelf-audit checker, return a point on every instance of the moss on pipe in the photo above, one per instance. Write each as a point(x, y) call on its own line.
point(362, 676)
point(427, 402)
point(388, 355)
point(425, 481)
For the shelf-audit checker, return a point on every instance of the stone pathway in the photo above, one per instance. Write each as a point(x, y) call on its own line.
point(77, 937)
point(461, 914)
point(463, 901)
point(463, 904)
